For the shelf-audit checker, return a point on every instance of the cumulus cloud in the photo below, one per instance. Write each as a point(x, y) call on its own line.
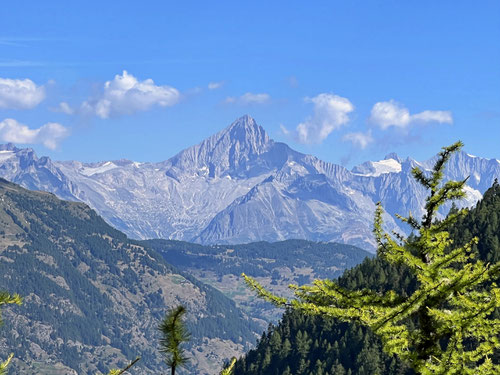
point(330, 113)
point(63, 107)
point(443, 117)
point(125, 94)
point(215, 85)
point(48, 135)
point(359, 139)
point(391, 113)
point(249, 98)
point(20, 93)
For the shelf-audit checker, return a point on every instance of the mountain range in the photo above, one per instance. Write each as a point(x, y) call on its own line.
point(240, 186)
point(93, 298)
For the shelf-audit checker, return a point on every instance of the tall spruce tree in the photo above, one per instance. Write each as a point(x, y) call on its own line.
point(446, 326)
point(5, 299)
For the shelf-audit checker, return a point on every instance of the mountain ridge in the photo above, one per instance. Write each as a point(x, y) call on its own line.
point(240, 186)
point(93, 299)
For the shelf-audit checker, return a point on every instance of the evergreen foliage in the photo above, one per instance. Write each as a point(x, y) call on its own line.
point(341, 348)
point(483, 222)
point(174, 335)
point(446, 324)
point(228, 370)
point(5, 299)
point(261, 259)
point(276, 264)
point(122, 371)
point(4, 364)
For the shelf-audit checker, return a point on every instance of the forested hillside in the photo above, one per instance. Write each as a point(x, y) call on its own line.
point(318, 346)
point(93, 299)
point(276, 265)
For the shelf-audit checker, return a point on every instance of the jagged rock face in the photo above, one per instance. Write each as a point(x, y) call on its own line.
point(24, 167)
point(237, 151)
point(239, 186)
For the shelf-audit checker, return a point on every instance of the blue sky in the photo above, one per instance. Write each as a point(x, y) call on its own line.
point(346, 81)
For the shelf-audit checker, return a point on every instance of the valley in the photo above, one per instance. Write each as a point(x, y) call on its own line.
point(276, 265)
point(93, 297)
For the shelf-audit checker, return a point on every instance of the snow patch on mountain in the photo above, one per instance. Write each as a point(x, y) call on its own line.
point(100, 168)
point(472, 195)
point(240, 186)
point(376, 168)
point(4, 155)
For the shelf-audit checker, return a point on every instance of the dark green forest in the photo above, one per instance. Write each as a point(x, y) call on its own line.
point(315, 345)
point(262, 259)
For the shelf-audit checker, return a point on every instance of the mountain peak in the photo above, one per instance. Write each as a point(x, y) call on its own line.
point(246, 130)
point(394, 156)
point(231, 150)
point(8, 147)
point(244, 121)
point(244, 137)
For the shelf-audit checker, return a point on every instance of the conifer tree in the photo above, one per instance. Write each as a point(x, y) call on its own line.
point(124, 370)
point(174, 334)
point(228, 370)
point(6, 298)
point(446, 326)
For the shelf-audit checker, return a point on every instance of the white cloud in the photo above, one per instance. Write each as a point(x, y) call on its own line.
point(330, 113)
point(284, 130)
point(126, 95)
point(443, 117)
point(386, 114)
point(215, 85)
point(359, 139)
point(249, 98)
point(20, 93)
point(391, 113)
point(48, 135)
point(63, 107)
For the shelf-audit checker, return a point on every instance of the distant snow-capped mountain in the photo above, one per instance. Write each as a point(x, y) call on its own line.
point(239, 186)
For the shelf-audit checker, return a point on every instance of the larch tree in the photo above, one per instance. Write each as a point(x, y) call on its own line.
point(229, 369)
point(446, 326)
point(5, 299)
point(125, 369)
point(174, 335)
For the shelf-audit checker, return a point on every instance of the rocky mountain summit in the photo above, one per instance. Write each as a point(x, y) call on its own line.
point(241, 186)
